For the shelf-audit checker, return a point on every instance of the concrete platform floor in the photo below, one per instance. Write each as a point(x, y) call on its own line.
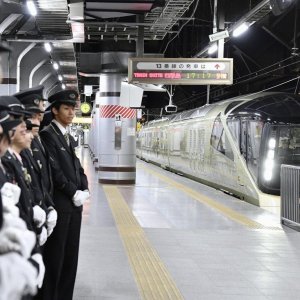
point(168, 237)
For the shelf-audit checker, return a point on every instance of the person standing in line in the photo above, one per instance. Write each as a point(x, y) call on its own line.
point(70, 192)
point(16, 174)
point(36, 158)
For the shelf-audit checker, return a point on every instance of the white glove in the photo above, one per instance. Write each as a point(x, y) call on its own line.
point(49, 231)
point(12, 209)
point(7, 245)
point(38, 259)
point(14, 239)
point(80, 197)
point(18, 277)
point(42, 237)
point(51, 219)
point(39, 216)
point(10, 220)
point(10, 194)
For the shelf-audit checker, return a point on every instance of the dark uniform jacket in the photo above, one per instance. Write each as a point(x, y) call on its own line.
point(40, 194)
point(17, 174)
point(41, 156)
point(3, 179)
point(67, 173)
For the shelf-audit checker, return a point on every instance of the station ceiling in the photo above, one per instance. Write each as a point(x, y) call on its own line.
point(266, 56)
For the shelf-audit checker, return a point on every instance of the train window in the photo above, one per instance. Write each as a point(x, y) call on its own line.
point(191, 141)
point(221, 145)
point(219, 140)
point(201, 141)
point(289, 145)
point(235, 129)
point(253, 146)
point(216, 132)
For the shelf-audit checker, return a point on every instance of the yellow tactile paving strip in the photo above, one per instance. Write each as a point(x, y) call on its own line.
point(152, 277)
point(224, 210)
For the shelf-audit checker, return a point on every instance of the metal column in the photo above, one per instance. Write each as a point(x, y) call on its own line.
point(115, 134)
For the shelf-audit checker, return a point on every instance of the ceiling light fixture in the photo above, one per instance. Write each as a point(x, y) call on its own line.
point(31, 7)
point(55, 66)
point(240, 30)
point(60, 78)
point(63, 86)
point(47, 47)
point(212, 49)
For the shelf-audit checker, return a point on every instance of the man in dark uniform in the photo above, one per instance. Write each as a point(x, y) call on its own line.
point(70, 192)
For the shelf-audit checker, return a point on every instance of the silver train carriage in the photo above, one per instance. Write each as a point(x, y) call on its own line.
point(235, 145)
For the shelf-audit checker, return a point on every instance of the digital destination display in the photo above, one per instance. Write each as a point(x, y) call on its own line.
point(189, 71)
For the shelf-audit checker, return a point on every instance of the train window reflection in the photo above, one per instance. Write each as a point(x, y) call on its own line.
point(289, 145)
point(216, 132)
point(234, 127)
point(219, 140)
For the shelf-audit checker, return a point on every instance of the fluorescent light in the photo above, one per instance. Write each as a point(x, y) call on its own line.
point(63, 86)
point(60, 78)
point(31, 7)
point(47, 47)
point(240, 30)
point(55, 66)
point(212, 49)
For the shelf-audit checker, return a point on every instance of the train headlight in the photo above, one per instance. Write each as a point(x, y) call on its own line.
point(269, 162)
point(271, 154)
point(268, 175)
point(272, 143)
point(268, 166)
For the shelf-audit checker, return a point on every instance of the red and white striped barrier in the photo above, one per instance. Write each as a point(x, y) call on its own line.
point(110, 111)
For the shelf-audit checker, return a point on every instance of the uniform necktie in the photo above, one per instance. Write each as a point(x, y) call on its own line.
point(67, 138)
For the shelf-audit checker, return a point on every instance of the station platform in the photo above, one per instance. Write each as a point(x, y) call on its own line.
point(168, 237)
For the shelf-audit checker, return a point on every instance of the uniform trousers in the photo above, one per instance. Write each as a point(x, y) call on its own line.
point(61, 258)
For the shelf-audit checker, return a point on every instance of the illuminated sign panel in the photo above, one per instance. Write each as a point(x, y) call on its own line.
point(189, 71)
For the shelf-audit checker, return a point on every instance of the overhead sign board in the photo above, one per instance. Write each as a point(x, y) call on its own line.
point(176, 71)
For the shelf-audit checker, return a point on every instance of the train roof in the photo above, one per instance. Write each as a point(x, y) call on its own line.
point(271, 105)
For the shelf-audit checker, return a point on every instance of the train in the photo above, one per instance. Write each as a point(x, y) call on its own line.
point(236, 145)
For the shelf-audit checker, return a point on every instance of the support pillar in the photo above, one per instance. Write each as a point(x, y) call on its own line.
point(115, 134)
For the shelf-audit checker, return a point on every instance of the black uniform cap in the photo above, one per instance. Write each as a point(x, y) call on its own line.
point(30, 125)
point(15, 107)
point(5, 121)
point(68, 97)
point(31, 98)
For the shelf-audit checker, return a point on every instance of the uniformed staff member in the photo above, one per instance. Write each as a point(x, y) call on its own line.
point(70, 192)
point(36, 158)
point(31, 212)
point(18, 267)
point(21, 266)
